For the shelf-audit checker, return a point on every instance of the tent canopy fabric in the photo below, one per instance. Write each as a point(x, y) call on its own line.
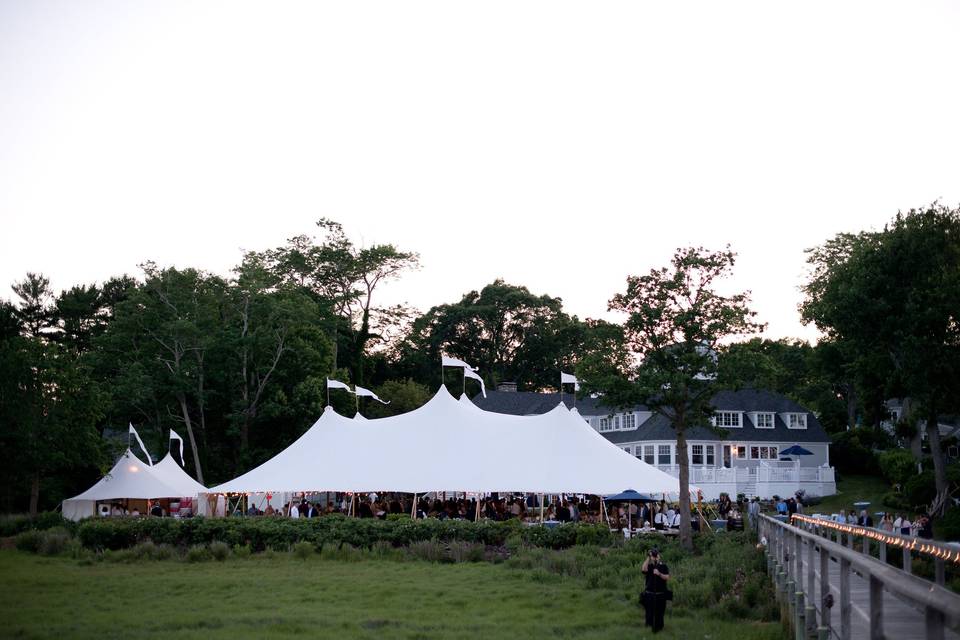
point(128, 479)
point(170, 472)
point(452, 445)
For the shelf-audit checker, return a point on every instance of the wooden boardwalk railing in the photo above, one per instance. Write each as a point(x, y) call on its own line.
point(834, 591)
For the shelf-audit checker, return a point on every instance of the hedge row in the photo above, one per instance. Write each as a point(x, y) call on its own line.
point(281, 533)
point(11, 525)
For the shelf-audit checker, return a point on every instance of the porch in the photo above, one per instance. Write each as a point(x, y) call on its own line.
point(764, 480)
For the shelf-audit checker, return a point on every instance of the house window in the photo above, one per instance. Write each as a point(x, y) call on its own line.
point(742, 451)
point(764, 421)
point(663, 454)
point(629, 421)
point(709, 454)
point(628, 450)
point(729, 419)
point(615, 423)
point(648, 454)
point(697, 454)
point(797, 421)
point(604, 424)
point(763, 453)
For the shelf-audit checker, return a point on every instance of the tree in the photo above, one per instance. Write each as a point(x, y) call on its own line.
point(347, 277)
point(505, 331)
point(161, 338)
point(893, 297)
point(674, 327)
point(49, 406)
point(791, 367)
point(404, 396)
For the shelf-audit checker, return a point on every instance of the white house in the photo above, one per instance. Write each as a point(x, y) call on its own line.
point(742, 454)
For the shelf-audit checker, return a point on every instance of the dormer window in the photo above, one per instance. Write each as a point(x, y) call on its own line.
point(604, 424)
point(796, 421)
point(730, 419)
point(629, 421)
point(763, 420)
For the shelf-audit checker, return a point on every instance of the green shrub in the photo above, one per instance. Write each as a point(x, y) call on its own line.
point(11, 525)
point(898, 465)
point(29, 541)
point(429, 550)
point(466, 551)
point(920, 489)
point(54, 541)
point(198, 553)
point(851, 452)
point(949, 525)
point(242, 551)
point(304, 550)
point(219, 550)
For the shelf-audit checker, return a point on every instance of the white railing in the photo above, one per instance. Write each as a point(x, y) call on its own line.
point(745, 475)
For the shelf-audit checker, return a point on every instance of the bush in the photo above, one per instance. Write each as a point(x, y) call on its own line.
point(303, 550)
point(11, 525)
point(282, 533)
point(466, 551)
point(851, 452)
point(897, 465)
point(29, 541)
point(949, 526)
point(54, 541)
point(920, 490)
point(242, 551)
point(429, 550)
point(198, 553)
point(219, 550)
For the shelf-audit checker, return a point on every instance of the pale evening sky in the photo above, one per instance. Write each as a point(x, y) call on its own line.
point(561, 145)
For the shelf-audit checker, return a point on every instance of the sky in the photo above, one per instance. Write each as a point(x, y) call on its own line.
point(559, 145)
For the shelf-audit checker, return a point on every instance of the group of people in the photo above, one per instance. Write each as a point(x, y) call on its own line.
point(920, 527)
point(649, 515)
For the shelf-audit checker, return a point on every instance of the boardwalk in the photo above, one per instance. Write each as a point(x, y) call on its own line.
point(900, 618)
point(867, 597)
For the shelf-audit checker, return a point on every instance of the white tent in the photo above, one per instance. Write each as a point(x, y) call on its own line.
point(170, 472)
point(450, 445)
point(129, 479)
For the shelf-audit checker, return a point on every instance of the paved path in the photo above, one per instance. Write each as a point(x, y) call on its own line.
point(900, 619)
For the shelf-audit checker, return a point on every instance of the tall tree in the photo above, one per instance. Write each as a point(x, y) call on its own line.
point(348, 277)
point(675, 324)
point(504, 330)
point(893, 296)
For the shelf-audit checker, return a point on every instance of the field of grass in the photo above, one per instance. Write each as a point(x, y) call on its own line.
point(283, 596)
point(852, 489)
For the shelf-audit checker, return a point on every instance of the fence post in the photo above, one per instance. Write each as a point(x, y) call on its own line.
point(811, 612)
point(876, 609)
point(883, 551)
point(824, 589)
point(939, 571)
point(845, 606)
point(907, 560)
point(798, 560)
point(799, 620)
point(866, 545)
point(935, 624)
point(850, 539)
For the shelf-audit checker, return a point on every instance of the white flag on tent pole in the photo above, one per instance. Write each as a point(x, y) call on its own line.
point(336, 384)
point(566, 378)
point(470, 374)
point(175, 436)
point(140, 442)
point(456, 362)
point(360, 391)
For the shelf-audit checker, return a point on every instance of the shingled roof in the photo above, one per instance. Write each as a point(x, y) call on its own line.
point(657, 427)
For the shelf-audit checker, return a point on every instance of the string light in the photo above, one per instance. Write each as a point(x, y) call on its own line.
point(913, 544)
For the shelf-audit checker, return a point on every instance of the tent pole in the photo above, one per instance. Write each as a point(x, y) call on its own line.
point(603, 506)
point(464, 381)
point(541, 508)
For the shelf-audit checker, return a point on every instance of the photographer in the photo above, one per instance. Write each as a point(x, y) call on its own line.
point(656, 594)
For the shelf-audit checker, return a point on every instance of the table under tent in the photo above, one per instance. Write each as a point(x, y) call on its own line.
point(448, 445)
point(133, 484)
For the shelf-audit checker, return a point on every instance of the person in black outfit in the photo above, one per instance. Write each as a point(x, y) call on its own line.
point(655, 595)
point(156, 510)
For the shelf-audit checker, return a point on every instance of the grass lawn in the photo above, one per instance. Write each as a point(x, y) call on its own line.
point(852, 489)
point(285, 597)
